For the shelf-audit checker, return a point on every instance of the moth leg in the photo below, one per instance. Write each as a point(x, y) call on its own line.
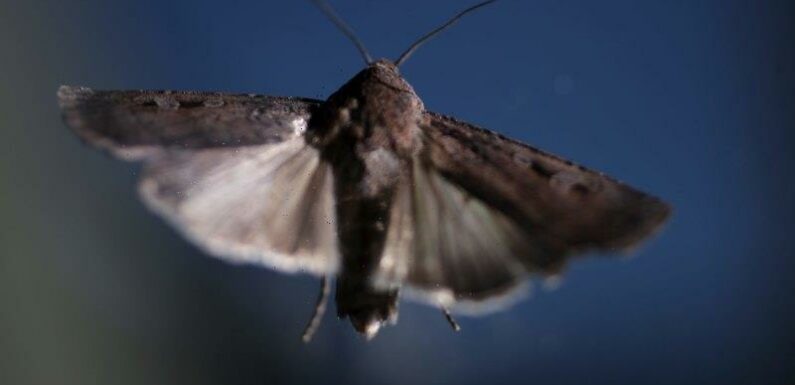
point(320, 309)
point(450, 320)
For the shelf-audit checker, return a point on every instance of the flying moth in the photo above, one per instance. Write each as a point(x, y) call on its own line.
point(366, 188)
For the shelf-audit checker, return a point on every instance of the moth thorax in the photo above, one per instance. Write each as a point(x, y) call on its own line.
point(382, 171)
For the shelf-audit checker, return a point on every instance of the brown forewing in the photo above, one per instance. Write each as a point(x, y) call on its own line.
point(128, 123)
point(561, 205)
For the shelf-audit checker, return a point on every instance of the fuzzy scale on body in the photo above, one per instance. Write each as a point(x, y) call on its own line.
point(370, 131)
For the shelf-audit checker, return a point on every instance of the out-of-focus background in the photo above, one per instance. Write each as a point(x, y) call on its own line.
point(692, 101)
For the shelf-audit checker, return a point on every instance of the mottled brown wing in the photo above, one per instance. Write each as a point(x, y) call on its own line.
point(483, 212)
point(574, 207)
point(233, 173)
point(136, 124)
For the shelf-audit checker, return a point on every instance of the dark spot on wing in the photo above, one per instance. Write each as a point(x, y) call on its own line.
point(541, 169)
point(191, 104)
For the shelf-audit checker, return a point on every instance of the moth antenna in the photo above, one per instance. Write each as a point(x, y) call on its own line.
point(403, 57)
point(344, 27)
point(450, 320)
point(320, 309)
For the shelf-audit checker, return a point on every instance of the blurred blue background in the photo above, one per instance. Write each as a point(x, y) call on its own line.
point(690, 100)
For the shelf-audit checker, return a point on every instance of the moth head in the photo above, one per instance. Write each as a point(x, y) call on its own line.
point(386, 65)
point(386, 72)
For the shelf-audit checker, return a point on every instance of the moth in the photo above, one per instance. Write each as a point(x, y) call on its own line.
point(367, 187)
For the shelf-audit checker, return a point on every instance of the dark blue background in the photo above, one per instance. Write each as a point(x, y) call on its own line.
point(690, 100)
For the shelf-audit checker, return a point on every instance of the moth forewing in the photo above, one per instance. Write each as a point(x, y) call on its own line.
point(568, 207)
point(134, 125)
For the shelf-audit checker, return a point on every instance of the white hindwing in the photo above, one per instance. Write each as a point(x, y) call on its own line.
point(269, 204)
point(450, 248)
